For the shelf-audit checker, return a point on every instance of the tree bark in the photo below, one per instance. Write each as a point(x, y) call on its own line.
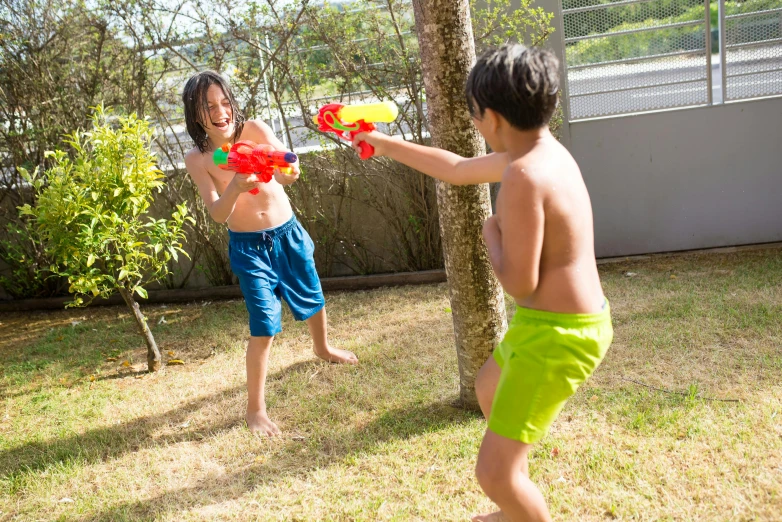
point(447, 53)
point(154, 360)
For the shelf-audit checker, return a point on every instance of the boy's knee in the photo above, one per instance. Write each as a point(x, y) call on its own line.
point(483, 388)
point(492, 475)
point(259, 343)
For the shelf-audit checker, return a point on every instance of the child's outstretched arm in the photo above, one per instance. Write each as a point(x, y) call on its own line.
point(437, 163)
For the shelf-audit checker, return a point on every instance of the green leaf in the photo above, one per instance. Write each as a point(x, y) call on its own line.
point(90, 260)
point(140, 291)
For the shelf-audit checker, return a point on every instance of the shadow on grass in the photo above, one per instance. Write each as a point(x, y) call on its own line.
point(419, 416)
point(398, 424)
point(315, 392)
point(49, 345)
point(112, 441)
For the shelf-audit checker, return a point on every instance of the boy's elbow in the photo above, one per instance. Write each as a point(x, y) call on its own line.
point(520, 293)
point(452, 176)
point(520, 288)
point(457, 175)
point(216, 216)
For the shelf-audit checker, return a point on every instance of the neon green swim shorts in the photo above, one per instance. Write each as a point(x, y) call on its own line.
point(544, 357)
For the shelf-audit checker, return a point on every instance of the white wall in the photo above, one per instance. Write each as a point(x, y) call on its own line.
point(684, 179)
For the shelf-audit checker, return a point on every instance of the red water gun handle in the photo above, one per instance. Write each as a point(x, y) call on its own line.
point(366, 150)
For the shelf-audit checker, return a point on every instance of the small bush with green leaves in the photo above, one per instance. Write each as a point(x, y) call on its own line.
point(91, 213)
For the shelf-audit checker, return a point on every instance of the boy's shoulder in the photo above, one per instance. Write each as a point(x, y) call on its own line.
point(194, 157)
point(255, 130)
point(523, 172)
point(193, 153)
point(254, 124)
point(197, 163)
point(540, 165)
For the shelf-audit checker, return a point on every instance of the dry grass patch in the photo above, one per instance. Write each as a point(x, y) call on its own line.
point(84, 437)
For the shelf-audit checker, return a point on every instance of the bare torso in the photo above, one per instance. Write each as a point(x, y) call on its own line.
point(568, 280)
point(269, 208)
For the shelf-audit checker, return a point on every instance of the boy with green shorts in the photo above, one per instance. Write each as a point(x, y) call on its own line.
point(541, 246)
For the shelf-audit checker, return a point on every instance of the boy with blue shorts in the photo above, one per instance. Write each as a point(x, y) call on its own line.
point(270, 253)
point(541, 245)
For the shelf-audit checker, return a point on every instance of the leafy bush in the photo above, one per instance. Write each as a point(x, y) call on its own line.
point(91, 215)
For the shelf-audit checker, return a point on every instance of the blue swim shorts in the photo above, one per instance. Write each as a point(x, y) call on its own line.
point(272, 265)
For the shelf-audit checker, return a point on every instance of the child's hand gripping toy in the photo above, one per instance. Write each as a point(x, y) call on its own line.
point(246, 157)
point(353, 119)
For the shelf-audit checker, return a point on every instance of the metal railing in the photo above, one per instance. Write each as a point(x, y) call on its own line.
point(661, 62)
point(751, 49)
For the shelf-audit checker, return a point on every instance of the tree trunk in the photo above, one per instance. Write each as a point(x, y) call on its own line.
point(153, 354)
point(477, 300)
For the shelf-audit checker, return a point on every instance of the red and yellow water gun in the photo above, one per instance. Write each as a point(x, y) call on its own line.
point(247, 157)
point(348, 120)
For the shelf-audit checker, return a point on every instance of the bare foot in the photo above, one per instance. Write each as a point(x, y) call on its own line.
point(335, 355)
point(497, 516)
point(259, 424)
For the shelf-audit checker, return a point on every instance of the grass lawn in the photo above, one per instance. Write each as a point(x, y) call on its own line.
point(86, 435)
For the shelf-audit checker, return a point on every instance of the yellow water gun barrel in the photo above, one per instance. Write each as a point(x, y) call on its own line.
point(384, 112)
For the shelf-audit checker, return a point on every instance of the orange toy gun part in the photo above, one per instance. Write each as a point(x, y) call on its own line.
point(246, 157)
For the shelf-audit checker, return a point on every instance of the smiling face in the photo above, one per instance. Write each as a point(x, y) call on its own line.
point(212, 117)
point(218, 122)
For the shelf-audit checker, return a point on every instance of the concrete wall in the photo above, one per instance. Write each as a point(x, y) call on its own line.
point(682, 179)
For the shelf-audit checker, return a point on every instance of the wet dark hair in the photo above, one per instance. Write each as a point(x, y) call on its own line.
point(196, 105)
point(520, 83)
